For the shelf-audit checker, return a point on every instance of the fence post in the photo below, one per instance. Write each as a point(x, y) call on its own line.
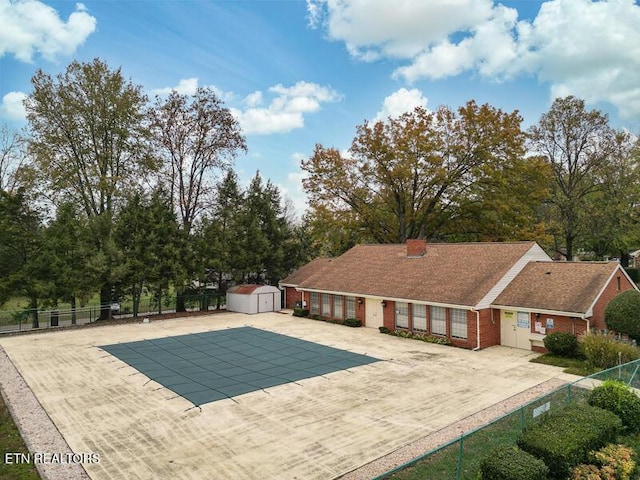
point(523, 422)
point(460, 454)
point(569, 393)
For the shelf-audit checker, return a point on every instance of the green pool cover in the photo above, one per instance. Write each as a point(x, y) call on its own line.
point(210, 366)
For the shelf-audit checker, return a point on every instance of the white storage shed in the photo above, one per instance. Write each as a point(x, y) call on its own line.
point(254, 299)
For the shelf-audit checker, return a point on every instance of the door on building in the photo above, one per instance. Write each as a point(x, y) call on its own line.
point(373, 313)
point(515, 328)
point(265, 302)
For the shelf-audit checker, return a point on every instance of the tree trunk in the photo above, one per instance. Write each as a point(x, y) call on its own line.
point(73, 310)
point(33, 307)
point(105, 302)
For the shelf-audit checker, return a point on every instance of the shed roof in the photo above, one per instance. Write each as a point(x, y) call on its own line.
point(306, 271)
point(250, 288)
point(558, 286)
point(450, 273)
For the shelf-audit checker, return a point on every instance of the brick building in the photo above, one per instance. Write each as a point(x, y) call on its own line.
point(475, 294)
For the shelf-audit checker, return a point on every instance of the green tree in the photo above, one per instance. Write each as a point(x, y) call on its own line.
point(415, 175)
point(89, 142)
point(148, 235)
point(622, 314)
point(577, 144)
point(612, 224)
point(219, 246)
point(69, 258)
point(21, 262)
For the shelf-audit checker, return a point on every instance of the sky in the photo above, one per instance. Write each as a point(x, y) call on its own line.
point(296, 73)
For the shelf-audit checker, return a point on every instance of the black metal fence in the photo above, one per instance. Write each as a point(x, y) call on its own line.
point(29, 319)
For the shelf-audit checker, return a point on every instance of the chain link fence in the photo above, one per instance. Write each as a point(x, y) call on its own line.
point(460, 459)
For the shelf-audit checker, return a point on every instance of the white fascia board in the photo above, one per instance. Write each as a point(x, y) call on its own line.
point(534, 254)
point(613, 273)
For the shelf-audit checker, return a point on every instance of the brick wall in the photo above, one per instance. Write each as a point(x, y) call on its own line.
point(291, 296)
point(610, 291)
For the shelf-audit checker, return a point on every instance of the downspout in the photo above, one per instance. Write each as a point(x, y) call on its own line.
point(477, 330)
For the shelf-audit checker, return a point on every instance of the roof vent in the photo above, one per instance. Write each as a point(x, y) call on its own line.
point(416, 247)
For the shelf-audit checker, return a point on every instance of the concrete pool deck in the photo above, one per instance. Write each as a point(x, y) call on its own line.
point(316, 428)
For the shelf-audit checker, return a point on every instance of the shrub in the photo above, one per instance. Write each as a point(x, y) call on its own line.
point(300, 312)
point(315, 317)
point(623, 314)
point(603, 351)
point(616, 461)
point(562, 344)
point(511, 463)
point(352, 322)
point(564, 438)
point(613, 462)
point(585, 472)
point(383, 329)
point(618, 398)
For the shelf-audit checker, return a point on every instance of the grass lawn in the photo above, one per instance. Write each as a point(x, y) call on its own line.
point(443, 464)
point(574, 366)
point(11, 442)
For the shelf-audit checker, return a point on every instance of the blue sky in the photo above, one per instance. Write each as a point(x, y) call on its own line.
point(297, 73)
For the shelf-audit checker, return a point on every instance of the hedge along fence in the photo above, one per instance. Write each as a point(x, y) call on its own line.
point(461, 458)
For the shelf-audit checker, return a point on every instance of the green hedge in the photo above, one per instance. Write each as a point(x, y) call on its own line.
point(622, 314)
point(300, 312)
point(564, 438)
point(562, 344)
point(508, 462)
point(618, 398)
point(352, 322)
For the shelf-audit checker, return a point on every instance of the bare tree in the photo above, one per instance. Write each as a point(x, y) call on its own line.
point(195, 136)
point(12, 155)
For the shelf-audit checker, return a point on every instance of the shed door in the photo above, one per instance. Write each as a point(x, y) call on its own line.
point(373, 313)
point(265, 302)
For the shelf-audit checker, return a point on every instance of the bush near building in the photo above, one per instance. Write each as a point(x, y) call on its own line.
point(622, 314)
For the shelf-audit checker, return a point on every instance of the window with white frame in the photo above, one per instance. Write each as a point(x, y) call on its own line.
point(438, 320)
point(326, 305)
point(419, 317)
point(402, 315)
point(337, 307)
point(350, 310)
point(458, 322)
point(315, 305)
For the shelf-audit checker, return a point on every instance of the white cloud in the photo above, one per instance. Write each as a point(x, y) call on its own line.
point(401, 101)
point(12, 107)
point(286, 110)
point(587, 48)
point(380, 28)
point(30, 27)
point(186, 86)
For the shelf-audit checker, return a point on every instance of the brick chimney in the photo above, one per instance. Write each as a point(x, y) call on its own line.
point(416, 247)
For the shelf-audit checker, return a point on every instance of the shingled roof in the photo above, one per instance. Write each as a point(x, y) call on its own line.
point(306, 271)
point(570, 287)
point(448, 273)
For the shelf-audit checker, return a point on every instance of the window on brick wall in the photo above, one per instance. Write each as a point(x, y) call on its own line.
point(402, 315)
point(350, 304)
point(420, 318)
point(438, 320)
point(315, 305)
point(337, 307)
point(458, 322)
point(326, 305)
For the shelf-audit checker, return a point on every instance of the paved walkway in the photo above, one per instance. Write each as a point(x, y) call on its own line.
point(317, 428)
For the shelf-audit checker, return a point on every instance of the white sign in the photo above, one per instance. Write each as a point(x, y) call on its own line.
point(545, 407)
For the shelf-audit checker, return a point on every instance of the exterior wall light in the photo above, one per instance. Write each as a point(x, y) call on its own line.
point(384, 304)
